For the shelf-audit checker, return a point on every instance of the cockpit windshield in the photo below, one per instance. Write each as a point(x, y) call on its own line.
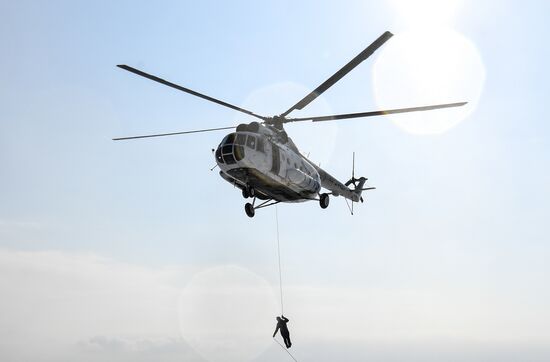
point(229, 139)
point(232, 147)
point(229, 153)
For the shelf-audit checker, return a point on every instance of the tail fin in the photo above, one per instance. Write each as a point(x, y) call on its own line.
point(357, 183)
point(358, 188)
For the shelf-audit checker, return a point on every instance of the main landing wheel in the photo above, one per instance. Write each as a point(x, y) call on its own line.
point(324, 201)
point(249, 209)
point(248, 192)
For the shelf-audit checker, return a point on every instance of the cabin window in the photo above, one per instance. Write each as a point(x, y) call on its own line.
point(251, 142)
point(260, 145)
point(241, 139)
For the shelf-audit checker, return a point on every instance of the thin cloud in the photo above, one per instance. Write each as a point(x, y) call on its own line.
point(61, 306)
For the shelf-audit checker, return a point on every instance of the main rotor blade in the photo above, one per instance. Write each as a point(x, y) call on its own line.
point(341, 73)
point(375, 113)
point(171, 134)
point(187, 90)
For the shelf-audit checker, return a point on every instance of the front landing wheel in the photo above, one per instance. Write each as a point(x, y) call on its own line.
point(249, 209)
point(324, 201)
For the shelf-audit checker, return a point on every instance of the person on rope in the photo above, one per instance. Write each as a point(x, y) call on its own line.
point(281, 325)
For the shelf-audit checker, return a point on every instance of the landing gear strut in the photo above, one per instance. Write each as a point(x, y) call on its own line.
point(324, 201)
point(250, 209)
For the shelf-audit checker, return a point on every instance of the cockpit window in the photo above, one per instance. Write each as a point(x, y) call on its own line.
point(251, 142)
point(227, 149)
point(239, 152)
point(228, 158)
point(232, 147)
point(230, 138)
point(219, 155)
point(241, 139)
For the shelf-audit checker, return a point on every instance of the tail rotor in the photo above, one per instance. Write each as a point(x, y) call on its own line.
point(357, 183)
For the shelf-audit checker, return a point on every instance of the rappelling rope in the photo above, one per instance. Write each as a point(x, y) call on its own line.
point(286, 350)
point(280, 280)
point(279, 255)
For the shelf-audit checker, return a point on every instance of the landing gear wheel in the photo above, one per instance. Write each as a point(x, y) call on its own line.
point(324, 201)
point(249, 209)
point(248, 192)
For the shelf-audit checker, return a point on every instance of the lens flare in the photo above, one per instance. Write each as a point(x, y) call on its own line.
point(426, 12)
point(423, 67)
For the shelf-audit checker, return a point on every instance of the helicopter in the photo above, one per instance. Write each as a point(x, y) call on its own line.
point(261, 159)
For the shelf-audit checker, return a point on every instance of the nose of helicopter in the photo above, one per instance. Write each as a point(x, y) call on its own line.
point(241, 149)
point(231, 149)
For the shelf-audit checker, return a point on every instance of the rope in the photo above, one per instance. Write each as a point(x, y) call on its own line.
point(280, 280)
point(279, 255)
point(285, 349)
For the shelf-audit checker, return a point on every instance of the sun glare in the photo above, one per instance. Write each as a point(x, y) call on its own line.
point(424, 67)
point(428, 63)
point(426, 12)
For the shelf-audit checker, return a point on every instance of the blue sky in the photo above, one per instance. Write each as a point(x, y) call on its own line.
point(449, 251)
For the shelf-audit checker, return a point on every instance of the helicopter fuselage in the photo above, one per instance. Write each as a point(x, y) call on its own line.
point(275, 170)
